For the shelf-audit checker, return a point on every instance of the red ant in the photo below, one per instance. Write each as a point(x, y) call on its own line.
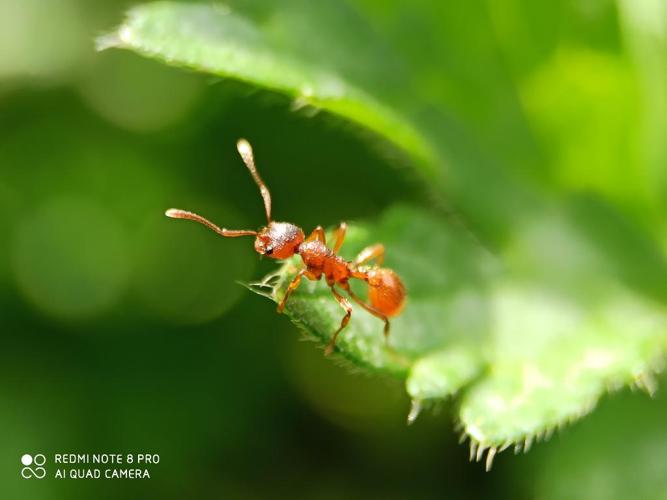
point(281, 240)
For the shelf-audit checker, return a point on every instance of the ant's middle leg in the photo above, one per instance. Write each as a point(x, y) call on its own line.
point(345, 304)
point(369, 253)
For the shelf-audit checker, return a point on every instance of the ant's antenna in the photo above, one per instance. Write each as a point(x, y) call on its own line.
point(176, 213)
point(245, 150)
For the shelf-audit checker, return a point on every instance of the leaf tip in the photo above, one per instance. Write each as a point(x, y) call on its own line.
point(477, 450)
point(265, 288)
point(107, 41)
point(120, 38)
point(646, 382)
point(527, 444)
point(415, 409)
point(462, 437)
point(489, 458)
point(480, 452)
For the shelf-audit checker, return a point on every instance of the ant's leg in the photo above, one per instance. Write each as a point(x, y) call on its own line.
point(317, 234)
point(370, 309)
point(346, 319)
point(296, 281)
point(369, 253)
point(339, 236)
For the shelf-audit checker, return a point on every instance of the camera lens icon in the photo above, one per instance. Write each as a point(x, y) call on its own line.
point(37, 471)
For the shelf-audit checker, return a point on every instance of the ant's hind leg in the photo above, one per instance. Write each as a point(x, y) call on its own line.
point(345, 304)
point(371, 310)
point(339, 236)
point(369, 253)
point(294, 284)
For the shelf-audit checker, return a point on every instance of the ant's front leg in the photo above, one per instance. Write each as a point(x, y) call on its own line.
point(294, 284)
point(317, 234)
point(345, 304)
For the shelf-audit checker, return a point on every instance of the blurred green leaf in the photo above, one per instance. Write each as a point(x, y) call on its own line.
point(618, 453)
point(216, 40)
point(530, 358)
point(573, 304)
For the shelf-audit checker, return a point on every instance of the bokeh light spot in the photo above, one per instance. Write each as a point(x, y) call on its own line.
point(69, 258)
point(138, 94)
point(40, 38)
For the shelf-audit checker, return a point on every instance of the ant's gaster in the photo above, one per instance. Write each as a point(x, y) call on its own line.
point(281, 240)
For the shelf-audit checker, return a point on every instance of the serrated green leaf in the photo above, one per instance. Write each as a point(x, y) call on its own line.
point(446, 316)
point(537, 383)
point(529, 357)
point(572, 304)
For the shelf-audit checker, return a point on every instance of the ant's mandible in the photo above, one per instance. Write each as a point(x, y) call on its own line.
point(281, 240)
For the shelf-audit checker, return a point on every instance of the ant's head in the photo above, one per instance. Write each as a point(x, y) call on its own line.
point(277, 240)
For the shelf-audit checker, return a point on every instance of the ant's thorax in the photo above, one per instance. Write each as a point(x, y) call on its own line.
point(320, 259)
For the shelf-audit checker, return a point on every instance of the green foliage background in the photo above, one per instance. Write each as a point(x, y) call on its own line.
point(511, 154)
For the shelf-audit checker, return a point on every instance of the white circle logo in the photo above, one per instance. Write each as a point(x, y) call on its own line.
point(38, 471)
